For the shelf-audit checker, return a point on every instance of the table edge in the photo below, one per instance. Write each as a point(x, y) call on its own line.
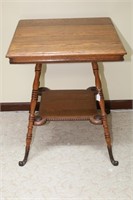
point(65, 58)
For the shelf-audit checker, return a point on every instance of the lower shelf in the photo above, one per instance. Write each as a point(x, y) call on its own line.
point(68, 105)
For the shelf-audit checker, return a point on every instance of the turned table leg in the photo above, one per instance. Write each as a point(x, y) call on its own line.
point(104, 117)
point(32, 112)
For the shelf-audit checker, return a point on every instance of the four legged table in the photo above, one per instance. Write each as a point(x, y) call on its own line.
point(66, 41)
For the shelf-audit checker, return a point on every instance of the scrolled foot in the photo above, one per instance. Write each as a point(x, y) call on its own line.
point(114, 162)
point(24, 161)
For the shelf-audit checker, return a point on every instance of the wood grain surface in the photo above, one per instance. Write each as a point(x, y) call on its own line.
point(65, 40)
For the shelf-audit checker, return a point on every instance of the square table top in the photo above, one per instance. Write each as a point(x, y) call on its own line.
point(65, 40)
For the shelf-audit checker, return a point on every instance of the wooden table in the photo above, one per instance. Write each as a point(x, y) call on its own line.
point(65, 41)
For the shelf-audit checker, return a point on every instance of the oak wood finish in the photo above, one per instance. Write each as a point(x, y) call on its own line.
point(68, 105)
point(32, 112)
point(102, 107)
point(66, 40)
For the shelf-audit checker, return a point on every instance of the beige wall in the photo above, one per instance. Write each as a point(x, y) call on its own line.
point(16, 80)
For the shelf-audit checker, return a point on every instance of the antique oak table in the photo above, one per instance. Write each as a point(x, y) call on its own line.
point(65, 41)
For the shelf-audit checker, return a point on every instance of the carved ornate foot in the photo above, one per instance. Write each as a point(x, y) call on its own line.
point(114, 162)
point(23, 162)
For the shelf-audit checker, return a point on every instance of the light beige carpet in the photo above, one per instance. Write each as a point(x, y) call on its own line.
point(67, 160)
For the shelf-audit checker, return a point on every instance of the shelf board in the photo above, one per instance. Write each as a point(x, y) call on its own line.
point(68, 105)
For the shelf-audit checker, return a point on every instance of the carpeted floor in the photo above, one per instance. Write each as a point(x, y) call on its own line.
point(67, 160)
